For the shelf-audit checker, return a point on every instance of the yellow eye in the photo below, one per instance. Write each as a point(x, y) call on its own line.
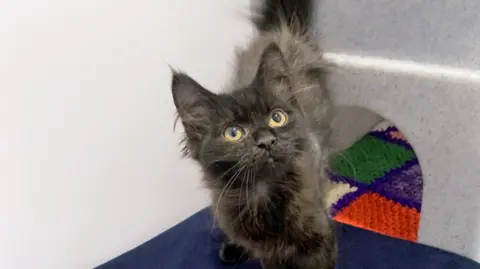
point(233, 133)
point(278, 118)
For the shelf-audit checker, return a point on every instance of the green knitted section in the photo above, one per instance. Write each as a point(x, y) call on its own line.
point(369, 158)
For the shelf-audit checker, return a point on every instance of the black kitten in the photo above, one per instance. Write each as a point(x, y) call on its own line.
point(261, 145)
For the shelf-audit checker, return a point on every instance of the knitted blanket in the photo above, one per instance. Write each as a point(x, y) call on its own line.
point(377, 184)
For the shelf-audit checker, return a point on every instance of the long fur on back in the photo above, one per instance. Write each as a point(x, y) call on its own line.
point(272, 14)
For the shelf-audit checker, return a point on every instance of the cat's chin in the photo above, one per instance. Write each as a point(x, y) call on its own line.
point(269, 163)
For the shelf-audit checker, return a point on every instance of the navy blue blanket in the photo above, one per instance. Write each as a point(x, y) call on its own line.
point(192, 245)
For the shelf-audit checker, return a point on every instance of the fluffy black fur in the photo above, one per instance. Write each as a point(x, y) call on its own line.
point(267, 186)
point(273, 14)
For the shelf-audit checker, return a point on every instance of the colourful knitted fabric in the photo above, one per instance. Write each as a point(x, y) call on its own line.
point(377, 184)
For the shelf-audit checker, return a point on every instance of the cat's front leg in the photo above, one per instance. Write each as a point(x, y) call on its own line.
point(273, 265)
point(231, 253)
point(320, 260)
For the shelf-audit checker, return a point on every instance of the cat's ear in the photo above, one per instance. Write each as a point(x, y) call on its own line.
point(273, 72)
point(194, 106)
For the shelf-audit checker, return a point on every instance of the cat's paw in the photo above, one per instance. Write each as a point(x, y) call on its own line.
point(232, 254)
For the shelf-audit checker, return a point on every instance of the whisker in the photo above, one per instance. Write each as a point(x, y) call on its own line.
point(241, 190)
point(229, 183)
point(248, 199)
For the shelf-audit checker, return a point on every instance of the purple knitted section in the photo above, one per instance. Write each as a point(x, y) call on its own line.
point(404, 186)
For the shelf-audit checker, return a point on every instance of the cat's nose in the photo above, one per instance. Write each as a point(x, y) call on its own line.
point(266, 141)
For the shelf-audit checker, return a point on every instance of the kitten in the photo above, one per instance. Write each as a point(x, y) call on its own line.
point(261, 144)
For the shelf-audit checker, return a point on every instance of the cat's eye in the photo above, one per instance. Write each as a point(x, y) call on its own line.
point(233, 133)
point(278, 118)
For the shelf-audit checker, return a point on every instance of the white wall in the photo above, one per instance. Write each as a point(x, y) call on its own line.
point(89, 164)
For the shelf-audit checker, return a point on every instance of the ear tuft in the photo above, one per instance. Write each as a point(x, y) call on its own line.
point(273, 72)
point(194, 106)
point(273, 60)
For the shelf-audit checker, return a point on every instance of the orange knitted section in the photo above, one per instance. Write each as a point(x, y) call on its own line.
point(374, 212)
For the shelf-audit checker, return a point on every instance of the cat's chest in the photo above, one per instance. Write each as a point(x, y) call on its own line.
point(268, 213)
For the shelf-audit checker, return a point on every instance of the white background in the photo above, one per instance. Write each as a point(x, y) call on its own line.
point(89, 163)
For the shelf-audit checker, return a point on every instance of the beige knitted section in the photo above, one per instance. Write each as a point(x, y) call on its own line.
point(337, 190)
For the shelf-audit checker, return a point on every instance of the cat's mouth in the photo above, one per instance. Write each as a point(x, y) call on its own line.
point(270, 158)
point(267, 160)
point(264, 156)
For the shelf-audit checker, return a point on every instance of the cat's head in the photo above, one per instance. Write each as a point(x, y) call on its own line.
point(258, 128)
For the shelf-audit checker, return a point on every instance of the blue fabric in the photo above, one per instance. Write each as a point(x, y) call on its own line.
point(192, 245)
